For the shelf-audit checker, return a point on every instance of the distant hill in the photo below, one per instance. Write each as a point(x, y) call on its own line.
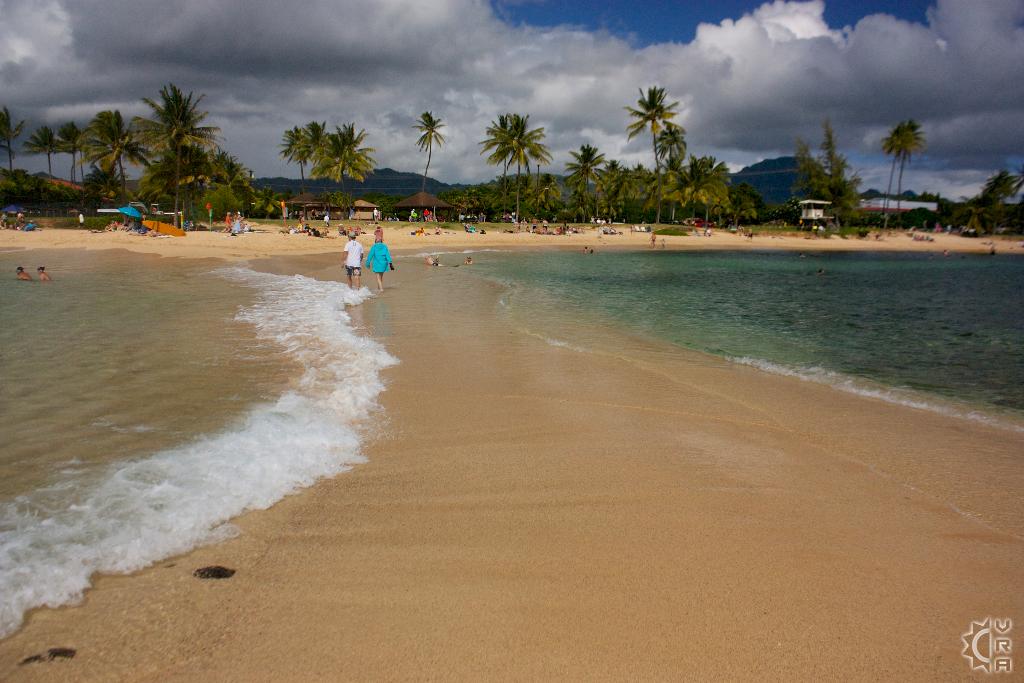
point(384, 180)
point(773, 178)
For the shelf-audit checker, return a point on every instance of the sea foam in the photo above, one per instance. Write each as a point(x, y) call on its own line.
point(863, 387)
point(132, 513)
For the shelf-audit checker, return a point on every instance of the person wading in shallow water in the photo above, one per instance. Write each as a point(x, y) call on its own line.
point(378, 259)
point(353, 261)
point(43, 275)
point(22, 275)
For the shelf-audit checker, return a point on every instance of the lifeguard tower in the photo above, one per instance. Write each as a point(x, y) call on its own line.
point(812, 211)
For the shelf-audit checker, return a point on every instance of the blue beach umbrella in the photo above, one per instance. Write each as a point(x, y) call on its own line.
point(13, 208)
point(130, 211)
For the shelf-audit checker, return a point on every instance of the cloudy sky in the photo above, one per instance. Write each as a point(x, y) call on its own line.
point(750, 77)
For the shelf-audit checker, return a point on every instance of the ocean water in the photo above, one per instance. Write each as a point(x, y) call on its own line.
point(144, 402)
point(939, 333)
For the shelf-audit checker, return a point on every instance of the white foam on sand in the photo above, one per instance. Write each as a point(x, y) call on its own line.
point(861, 387)
point(133, 513)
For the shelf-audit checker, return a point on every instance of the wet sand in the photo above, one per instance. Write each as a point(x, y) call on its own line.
point(530, 511)
point(270, 242)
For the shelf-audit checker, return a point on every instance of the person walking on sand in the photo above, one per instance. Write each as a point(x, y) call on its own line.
point(22, 275)
point(353, 261)
point(378, 259)
point(43, 275)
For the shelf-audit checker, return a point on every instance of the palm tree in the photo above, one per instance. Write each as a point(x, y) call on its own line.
point(430, 129)
point(71, 139)
point(671, 142)
point(8, 132)
point(705, 180)
point(497, 143)
point(176, 123)
point(525, 145)
point(343, 155)
point(903, 141)
point(549, 194)
point(583, 169)
point(109, 142)
point(652, 112)
point(316, 139)
point(295, 148)
point(614, 184)
point(43, 141)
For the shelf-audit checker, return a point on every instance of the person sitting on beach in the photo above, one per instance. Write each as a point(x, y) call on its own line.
point(22, 275)
point(43, 275)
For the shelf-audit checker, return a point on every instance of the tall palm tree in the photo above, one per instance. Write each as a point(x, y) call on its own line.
point(654, 113)
point(583, 169)
point(109, 143)
point(903, 141)
point(430, 129)
point(295, 148)
point(343, 155)
point(176, 123)
point(614, 183)
point(316, 139)
point(498, 144)
point(525, 145)
point(71, 139)
point(705, 180)
point(9, 131)
point(43, 141)
point(671, 142)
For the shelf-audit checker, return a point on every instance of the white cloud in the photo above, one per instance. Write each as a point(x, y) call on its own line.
point(748, 86)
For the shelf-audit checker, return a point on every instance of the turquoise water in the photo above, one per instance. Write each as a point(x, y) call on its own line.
point(941, 327)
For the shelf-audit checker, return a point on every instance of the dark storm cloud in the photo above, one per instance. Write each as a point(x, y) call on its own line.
point(748, 87)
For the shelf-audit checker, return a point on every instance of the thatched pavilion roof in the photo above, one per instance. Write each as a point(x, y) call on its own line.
point(363, 204)
point(423, 200)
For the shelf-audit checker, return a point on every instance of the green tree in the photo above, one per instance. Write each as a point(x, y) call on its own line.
point(745, 202)
point(295, 149)
point(109, 142)
point(43, 141)
point(617, 185)
point(705, 180)
point(825, 177)
point(498, 144)
point(652, 112)
point(902, 142)
point(9, 132)
point(525, 145)
point(671, 142)
point(430, 135)
point(176, 123)
point(343, 155)
point(71, 139)
point(316, 140)
point(583, 170)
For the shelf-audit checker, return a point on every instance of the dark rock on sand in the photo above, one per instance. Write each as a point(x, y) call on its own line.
point(214, 572)
point(50, 655)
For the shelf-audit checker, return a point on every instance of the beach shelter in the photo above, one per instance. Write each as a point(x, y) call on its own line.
point(13, 208)
point(308, 202)
point(423, 200)
point(363, 210)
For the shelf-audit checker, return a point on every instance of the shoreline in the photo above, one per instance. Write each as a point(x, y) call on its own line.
point(271, 243)
point(536, 495)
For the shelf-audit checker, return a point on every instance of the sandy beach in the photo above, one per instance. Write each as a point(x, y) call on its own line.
point(533, 512)
point(269, 241)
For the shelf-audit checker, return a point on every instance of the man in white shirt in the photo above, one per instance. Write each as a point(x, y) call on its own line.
point(353, 261)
